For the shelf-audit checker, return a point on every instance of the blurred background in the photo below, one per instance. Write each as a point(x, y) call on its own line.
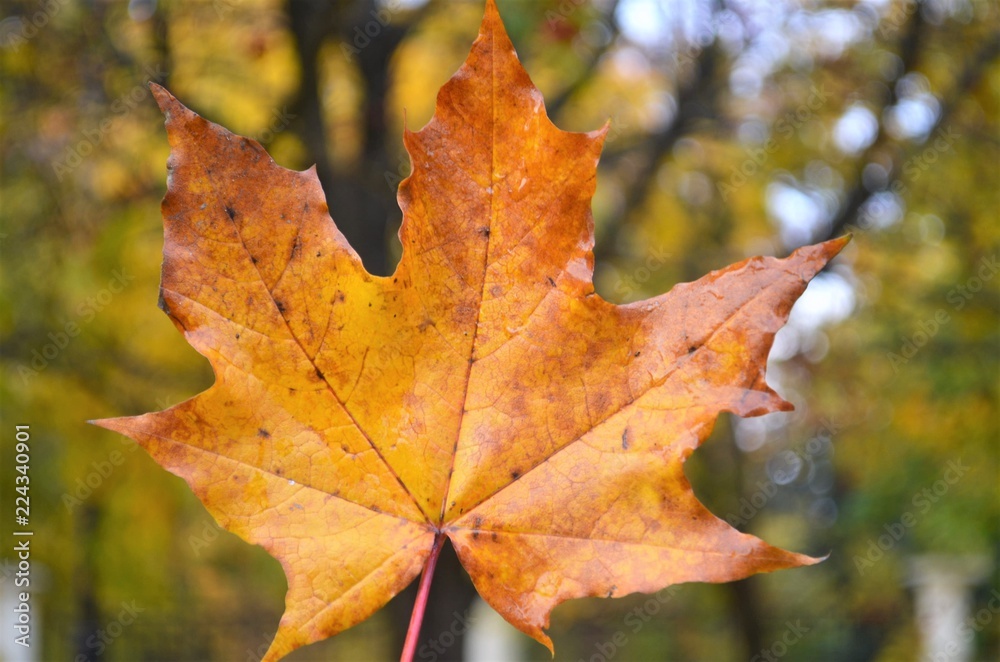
point(738, 128)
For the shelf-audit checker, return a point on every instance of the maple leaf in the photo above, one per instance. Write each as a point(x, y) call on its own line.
point(483, 393)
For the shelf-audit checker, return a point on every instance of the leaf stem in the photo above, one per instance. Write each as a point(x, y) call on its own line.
point(420, 605)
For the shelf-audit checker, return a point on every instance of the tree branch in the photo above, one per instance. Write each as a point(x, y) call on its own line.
point(967, 80)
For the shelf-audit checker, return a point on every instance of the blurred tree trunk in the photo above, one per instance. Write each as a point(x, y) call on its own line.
point(360, 201)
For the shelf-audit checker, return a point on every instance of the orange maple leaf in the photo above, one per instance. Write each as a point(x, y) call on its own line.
point(483, 393)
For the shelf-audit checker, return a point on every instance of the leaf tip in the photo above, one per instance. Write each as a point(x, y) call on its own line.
point(813, 560)
point(122, 424)
point(106, 423)
point(544, 639)
point(493, 26)
point(600, 135)
point(838, 244)
point(795, 560)
point(164, 99)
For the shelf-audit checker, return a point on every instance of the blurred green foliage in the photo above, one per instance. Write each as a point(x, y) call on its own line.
point(736, 129)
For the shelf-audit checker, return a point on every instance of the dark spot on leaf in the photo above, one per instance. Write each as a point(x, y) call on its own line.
point(452, 504)
point(341, 297)
point(475, 535)
point(603, 401)
point(261, 432)
point(231, 212)
point(692, 349)
point(319, 254)
point(319, 373)
point(344, 448)
point(494, 536)
point(484, 231)
point(376, 508)
point(281, 307)
point(237, 336)
point(515, 474)
point(253, 259)
point(477, 522)
point(552, 282)
point(625, 442)
point(637, 354)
